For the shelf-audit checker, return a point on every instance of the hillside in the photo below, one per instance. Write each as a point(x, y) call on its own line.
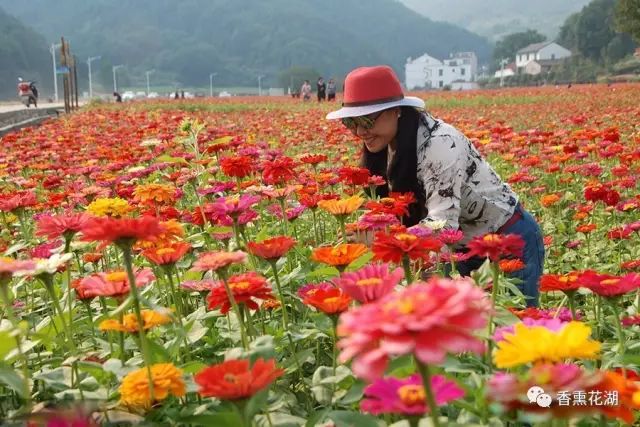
point(496, 18)
point(23, 53)
point(244, 38)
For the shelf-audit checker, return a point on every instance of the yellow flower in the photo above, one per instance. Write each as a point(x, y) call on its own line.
point(167, 379)
point(341, 207)
point(115, 207)
point(155, 193)
point(129, 323)
point(529, 344)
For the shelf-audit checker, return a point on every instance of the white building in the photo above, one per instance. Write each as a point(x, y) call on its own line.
point(541, 51)
point(429, 72)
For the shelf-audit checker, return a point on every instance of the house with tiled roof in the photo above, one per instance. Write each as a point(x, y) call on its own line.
point(541, 51)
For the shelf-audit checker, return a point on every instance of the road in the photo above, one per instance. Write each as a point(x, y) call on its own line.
point(8, 107)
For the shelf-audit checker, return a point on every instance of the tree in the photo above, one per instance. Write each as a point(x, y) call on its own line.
point(627, 18)
point(512, 43)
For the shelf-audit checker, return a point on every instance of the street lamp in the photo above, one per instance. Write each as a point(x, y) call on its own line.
point(147, 74)
point(503, 62)
point(52, 49)
point(115, 83)
point(260, 85)
point(211, 76)
point(91, 59)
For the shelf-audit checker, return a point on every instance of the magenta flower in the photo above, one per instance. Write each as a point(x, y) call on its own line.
point(232, 206)
point(553, 324)
point(45, 250)
point(407, 396)
point(631, 320)
point(377, 221)
point(428, 320)
point(450, 236)
point(197, 285)
point(370, 283)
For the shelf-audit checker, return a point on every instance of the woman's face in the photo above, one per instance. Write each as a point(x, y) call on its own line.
point(382, 133)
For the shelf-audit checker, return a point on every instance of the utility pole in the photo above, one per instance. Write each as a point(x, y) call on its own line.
point(260, 85)
point(115, 83)
point(211, 76)
point(503, 62)
point(91, 59)
point(52, 49)
point(147, 74)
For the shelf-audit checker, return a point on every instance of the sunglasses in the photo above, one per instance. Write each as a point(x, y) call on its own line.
point(366, 122)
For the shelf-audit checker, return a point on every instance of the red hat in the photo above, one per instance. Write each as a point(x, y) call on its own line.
point(371, 89)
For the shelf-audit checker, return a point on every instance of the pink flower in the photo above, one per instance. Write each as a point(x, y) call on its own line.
point(232, 206)
point(428, 320)
point(450, 236)
point(8, 266)
point(67, 224)
point(370, 283)
point(407, 396)
point(216, 260)
point(553, 324)
point(20, 199)
point(631, 320)
point(113, 284)
point(377, 221)
point(197, 285)
point(45, 250)
point(607, 285)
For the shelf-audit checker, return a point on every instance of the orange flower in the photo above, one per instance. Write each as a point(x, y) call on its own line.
point(559, 282)
point(511, 265)
point(169, 254)
point(129, 323)
point(92, 257)
point(339, 256)
point(271, 249)
point(586, 228)
point(341, 207)
point(628, 392)
point(393, 247)
point(549, 200)
point(153, 194)
point(329, 301)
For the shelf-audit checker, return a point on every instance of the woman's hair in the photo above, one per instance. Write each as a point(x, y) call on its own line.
point(401, 174)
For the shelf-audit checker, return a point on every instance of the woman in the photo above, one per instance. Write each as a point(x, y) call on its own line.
point(451, 181)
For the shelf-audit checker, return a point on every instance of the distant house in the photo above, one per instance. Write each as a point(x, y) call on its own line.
point(429, 72)
point(509, 70)
point(541, 66)
point(541, 51)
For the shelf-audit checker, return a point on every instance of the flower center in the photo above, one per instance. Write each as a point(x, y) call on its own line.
point(239, 285)
point(404, 305)
point(341, 251)
point(411, 394)
point(163, 251)
point(230, 378)
point(116, 276)
point(610, 282)
point(332, 300)
point(491, 238)
point(373, 281)
point(406, 237)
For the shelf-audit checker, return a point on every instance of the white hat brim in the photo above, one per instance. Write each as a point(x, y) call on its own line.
point(407, 101)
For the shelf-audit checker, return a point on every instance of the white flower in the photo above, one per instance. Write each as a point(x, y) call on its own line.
point(434, 225)
point(150, 142)
point(46, 265)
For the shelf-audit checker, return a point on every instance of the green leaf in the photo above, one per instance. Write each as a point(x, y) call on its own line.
point(13, 380)
point(353, 419)
point(360, 261)
point(196, 332)
point(322, 273)
point(193, 367)
point(278, 419)
point(324, 382)
point(165, 158)
point(221, 419)
point(157, 352)
point(256, 404)
point(7, 343)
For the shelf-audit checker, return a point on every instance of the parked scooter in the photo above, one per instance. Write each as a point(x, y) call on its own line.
point(28, 93)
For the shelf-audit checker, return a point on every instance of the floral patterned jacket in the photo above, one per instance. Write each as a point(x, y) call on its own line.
point(461, 188)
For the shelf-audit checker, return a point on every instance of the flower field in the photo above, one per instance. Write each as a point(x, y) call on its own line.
point(224, 263)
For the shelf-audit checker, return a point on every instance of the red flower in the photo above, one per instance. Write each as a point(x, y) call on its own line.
point(54, 226)
point(329, 301)
point(233, 379)
point(20, 199)
point(607, 285)
point(244, 287)
point(167, 254)
point(313, 159)
point(238, 166)
point(496, 246)
point(560, 282)
point(353, 175)
point(279, 171)
point(392, 247)
point(271, 249)
point(121, 230)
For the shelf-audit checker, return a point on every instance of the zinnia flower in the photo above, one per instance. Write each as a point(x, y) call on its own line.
point(530, 344)
point(406, 396)
point(607, 285)
point(10, 266)
point(169, 254)
point(329, 301)
point(271, 249)
point(115, 207)
point(65, 225)
point(244, 287)
point(198, 285)
point(559, 282)
point(393, 247)
point(428, 320)
point(155, 194)
point(510, 265)
point(150, 319)
point(122, 231)
point(311, 288)
point(234, 379)
point(167, 379)
point(217, 260)
point(339, 256)
point(113, 284)
point(496, 246)
point(341, 207)
point(370, 283)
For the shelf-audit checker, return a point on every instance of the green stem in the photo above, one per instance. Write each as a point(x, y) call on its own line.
point(621, 339)
point(572, 306)
point(431, 401)
point(406, 264)
point(128, 264)
point(285, 320)
point(235, 307)
point(48, 284)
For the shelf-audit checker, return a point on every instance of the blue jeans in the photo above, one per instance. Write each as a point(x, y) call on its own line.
point(533, 257)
